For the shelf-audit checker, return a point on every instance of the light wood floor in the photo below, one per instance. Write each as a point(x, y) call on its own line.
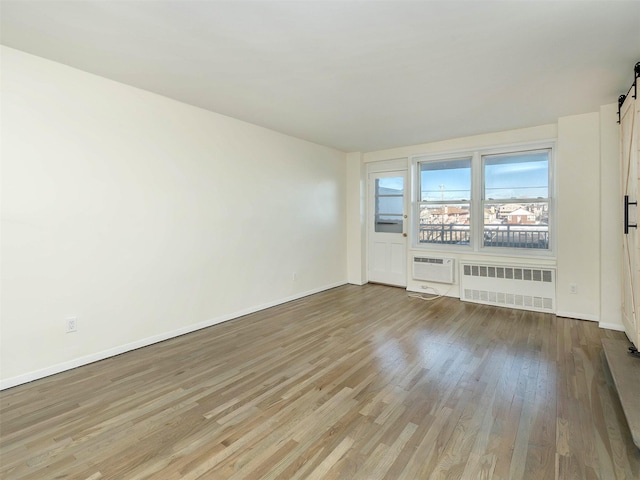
point(355, 382)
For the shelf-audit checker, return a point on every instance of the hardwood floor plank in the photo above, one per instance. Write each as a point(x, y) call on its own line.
point(355, 382)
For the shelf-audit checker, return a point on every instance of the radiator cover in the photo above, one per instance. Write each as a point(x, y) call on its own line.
point(513, 286)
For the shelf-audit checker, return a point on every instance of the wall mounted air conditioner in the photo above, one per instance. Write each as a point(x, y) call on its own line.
point(432, 269)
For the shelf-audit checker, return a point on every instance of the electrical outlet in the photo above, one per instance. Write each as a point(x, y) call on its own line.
point(72, 324)
point(294, 277)
point(573, 288)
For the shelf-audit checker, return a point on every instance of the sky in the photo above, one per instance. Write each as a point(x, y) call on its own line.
point(506, 177)
point(450, 180)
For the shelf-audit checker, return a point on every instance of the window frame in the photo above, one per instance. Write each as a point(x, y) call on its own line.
point(477, 200)
point(419, 202)
point(521, 200)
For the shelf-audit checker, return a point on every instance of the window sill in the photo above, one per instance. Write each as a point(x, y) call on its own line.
point(467, 253)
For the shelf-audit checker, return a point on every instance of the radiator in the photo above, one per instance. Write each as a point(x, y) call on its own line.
point(513, 286)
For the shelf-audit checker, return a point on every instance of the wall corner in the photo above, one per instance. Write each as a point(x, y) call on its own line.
point(356, 233)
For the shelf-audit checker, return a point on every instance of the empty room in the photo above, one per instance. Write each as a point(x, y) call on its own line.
point(319, 240)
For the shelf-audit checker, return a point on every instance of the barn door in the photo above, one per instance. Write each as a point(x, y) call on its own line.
point(629, 133)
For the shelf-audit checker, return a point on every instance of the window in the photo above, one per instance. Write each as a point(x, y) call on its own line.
point(389, 204)
point(444, 211)
point(491, 201)
point(516, 200)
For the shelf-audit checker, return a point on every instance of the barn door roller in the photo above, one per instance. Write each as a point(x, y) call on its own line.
point(634, 86)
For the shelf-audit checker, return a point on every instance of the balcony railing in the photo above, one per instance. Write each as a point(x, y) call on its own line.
point(517, 236)
point(506, 235)
point(451, 233)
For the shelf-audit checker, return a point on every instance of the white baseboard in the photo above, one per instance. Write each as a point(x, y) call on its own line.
point(612, 326)
point(578, 316)
point(95, 357)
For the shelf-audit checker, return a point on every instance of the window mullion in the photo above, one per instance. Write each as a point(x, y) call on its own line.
point(477, 202)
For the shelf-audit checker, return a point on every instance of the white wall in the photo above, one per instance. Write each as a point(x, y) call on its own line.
point(588, 210)
point(534, 134)
point(610, 219)
point(145, 217)
point(578, 180)
point(356, 233)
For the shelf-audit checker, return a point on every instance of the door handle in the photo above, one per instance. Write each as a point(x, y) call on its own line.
point(627, 226)
point(404, 234)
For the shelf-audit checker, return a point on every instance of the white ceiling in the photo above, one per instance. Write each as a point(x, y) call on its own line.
point(354, 75)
